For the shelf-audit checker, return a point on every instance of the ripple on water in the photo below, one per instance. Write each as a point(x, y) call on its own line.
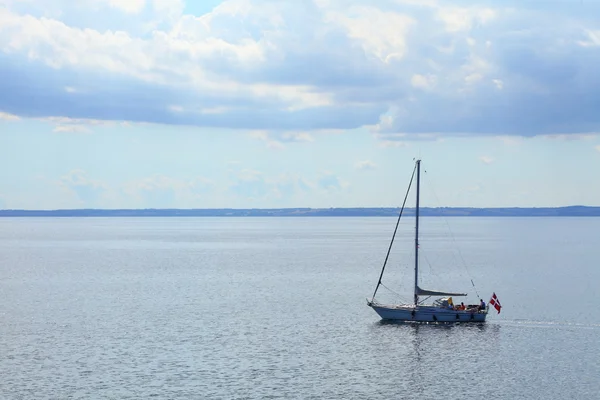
point(133, 309)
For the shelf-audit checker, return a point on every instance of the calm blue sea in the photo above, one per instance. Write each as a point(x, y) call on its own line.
point(255, 308)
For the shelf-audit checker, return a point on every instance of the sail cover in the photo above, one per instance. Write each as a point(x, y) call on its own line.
point(421, 292)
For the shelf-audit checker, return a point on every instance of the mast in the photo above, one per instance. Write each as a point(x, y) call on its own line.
point(394, 235)
point(417, 233)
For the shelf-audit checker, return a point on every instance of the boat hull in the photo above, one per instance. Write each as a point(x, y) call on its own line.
point(427, 314)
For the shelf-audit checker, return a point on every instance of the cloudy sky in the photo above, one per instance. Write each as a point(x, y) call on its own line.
point(317, 103)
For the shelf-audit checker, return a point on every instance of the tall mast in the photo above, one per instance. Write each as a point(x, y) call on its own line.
point(417, 232)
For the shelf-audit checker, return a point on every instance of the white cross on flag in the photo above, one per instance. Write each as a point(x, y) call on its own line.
point(495, 302)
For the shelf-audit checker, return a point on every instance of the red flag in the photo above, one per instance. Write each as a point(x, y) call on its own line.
point(495, 302)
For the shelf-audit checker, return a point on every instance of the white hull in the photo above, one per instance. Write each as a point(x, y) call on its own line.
point(426, 313)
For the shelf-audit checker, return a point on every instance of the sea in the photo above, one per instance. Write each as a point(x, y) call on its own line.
point(276, 308)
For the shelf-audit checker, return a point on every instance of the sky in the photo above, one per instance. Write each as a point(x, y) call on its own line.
point(304, 103)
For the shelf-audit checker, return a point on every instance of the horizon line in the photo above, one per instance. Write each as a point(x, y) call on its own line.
point(292, 208)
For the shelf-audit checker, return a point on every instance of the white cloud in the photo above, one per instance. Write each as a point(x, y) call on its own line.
point(162, 191)
point(164, 182)
point(458, 19)
point(128, 6)
point(387, 42)
point(260, 135)
point(8, 117)
point(328, 181)
point(386, 122)
point(422, 81)
point(475, 69)
point(71, 129)
point(276, 145)
point(402, 138)
point(86, 192)
point(303, 67)
point(60, 46)
point(593, 39)
point(297, 137)
point(175, 108)
point(214, 110)
point(486, 159)
point(78, 121)
point(170, 10)
point(269, 142)
point(78, 177)
point(76, 125)
point(277, 140)
point(365, 165)
point(511, 140)
point(253, 187)
point(249, 175)
point(579, 136)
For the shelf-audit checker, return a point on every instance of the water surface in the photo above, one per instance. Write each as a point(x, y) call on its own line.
point(233, 308)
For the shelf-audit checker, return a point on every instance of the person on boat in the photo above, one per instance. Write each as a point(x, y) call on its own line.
point(461, 307)
point(482, 304)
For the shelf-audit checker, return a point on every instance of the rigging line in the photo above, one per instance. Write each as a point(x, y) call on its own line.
point(452, 235)
point(395, 229)
point(396, 293)
point(428, 264)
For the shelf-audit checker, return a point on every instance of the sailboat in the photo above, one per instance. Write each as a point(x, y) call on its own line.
point(440, 310)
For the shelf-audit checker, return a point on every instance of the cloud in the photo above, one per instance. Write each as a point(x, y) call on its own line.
point(462, 19)
point(156, 191)
point(297, 137)
point(254, 185)
point(401, 139)
point(511, 140)
point(365, 165)
point(387, 42)
point(250, 184)
point(245, 187)
point(128, 6)
point(423, 82)
point(8, 117)
point(277, 140)
point(576, 136)
point(71, 129)
point(77, 125)
point(593, 39)
point(265, 137)
point(299, 68)
point(486, 159)
point(89, 192)
point(328, 181)
point(597, 148)
point(161, 191)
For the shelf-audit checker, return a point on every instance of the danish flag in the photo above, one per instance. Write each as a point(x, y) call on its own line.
point(495, 302)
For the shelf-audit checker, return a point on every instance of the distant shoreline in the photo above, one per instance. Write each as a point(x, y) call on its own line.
point(570, 211)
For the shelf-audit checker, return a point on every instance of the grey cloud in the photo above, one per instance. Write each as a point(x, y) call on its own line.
point(32, 90)
point(550, 82)
point(550, 85)
point(517, 113)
